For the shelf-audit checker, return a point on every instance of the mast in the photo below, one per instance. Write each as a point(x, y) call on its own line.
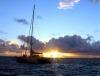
point(31, 32)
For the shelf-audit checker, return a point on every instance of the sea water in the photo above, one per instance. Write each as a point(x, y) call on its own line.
point(66, 67)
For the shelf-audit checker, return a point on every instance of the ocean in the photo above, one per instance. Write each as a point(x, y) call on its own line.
point(64, 67)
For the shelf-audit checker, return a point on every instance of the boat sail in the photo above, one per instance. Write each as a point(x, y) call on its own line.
point(34, 57)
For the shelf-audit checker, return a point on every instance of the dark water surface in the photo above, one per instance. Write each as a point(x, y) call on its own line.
point(67, 67)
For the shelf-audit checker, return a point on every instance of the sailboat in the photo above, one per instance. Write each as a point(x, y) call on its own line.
point(34, 57)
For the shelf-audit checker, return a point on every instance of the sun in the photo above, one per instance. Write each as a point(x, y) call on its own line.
point(58, 54)
point(52, 54)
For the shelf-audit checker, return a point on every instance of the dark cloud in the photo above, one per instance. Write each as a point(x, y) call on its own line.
point(95, 1)
point(96, 31)
point(39, 17)
point(6, 46)
point(37, 45)
point(23, 21)
point(55, 34)
point(74, 43)
point(67, 43)
point(2, 32)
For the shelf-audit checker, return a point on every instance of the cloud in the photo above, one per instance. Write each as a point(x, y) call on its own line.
point(37, 45)
point(67, 43)
point(6, 46)
point(74, 43)
point(23, 21)
point(95, 1)
point(67, 4)
point(39, 17)
point(2, 32)
point(55, 34)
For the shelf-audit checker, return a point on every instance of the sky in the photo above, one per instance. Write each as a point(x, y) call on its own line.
point(53, 18)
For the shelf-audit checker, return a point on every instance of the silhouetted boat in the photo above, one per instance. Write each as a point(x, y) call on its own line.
point(34, 57)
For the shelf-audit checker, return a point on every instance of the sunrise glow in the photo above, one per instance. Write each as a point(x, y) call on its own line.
point(14, 42)
point(9, 53)
point(52, 54)
point(57, 54)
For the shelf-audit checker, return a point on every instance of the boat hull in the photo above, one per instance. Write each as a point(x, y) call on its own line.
point(33, 60)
